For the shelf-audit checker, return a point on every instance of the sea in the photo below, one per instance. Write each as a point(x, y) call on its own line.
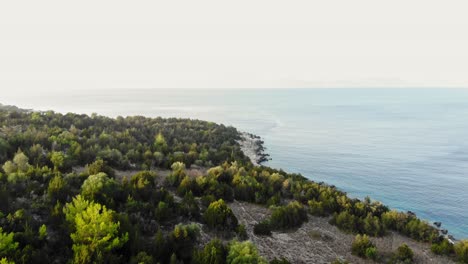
point(407, 148)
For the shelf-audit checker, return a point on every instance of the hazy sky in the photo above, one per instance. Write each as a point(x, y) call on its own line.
point(211, 44)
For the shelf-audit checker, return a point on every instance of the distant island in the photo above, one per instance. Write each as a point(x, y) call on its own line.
point(93, 189)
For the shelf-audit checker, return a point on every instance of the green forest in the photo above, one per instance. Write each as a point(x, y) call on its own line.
point(64, 198)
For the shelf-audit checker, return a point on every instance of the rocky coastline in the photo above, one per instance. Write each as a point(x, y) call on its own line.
point(252, 146)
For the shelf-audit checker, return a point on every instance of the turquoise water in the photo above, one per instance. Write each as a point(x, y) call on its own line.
point(407, 148)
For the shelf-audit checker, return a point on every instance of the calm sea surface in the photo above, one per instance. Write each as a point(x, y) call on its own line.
point(407, 148)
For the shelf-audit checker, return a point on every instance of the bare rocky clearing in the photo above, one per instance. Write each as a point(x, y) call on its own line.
point(319, 242)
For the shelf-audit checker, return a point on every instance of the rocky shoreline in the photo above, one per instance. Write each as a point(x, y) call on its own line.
point(252, 146)
point(444, 232)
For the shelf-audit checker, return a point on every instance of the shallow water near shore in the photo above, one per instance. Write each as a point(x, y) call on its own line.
point(407, 148)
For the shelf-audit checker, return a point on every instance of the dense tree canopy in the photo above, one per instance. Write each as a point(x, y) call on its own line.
point(129, 142)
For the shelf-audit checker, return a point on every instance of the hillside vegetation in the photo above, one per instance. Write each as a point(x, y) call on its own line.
point(91, 189)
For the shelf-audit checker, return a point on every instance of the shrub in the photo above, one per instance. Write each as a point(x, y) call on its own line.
point(345, 221)
point(143, 184)
point(7, 244)
point(162, 212)
point(373, 226)
point(177, 174)
point(219, 216)
point(290, 216)
point(363, 247)
point(100, 166)
point(444, 247)
point(183, 239)
point(263, 228)
point(213, 253)
point(371, 253)
point(188, 184)
point(142, 258)
point(316, 208)
point(404, 254)
point(189, 206)
point(461, 251)
point(243, 252)
point(241, 232)
point(56, 189)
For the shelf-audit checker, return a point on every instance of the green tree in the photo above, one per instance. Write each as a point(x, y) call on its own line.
point(36, 153)
point(56, 189)
point(189, 206)
point(160, 143)
point(42, 232)
point(443, 247)
point(213, 253)
point(6, 261)
point(241, 232)
point(143, 184)
point(243, 253)
point(96, 234)
point(290, 216)
point(100, 166)
point(16, 169)
point(9, 167)
point(58, 159)
point(177, 174)
point(158, 158)
point(316, 208)
point(143, 258)
point(4, 149)
point(178, 167)
point(160, 246)
point(371, 253)
point(345, 221)
point(99, 187)
point(75, 207)
point(7, 244)
point(404, 254)
point(363, 247)
point(373, 225)
point(262, 228)
point(188, 184)
point(183, 238)
point(21, 161)
point(162, 212)
point(219, 216)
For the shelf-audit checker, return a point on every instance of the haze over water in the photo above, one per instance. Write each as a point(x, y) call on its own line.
point(405, 147)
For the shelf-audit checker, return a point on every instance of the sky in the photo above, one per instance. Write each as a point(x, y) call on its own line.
point(47, 45)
